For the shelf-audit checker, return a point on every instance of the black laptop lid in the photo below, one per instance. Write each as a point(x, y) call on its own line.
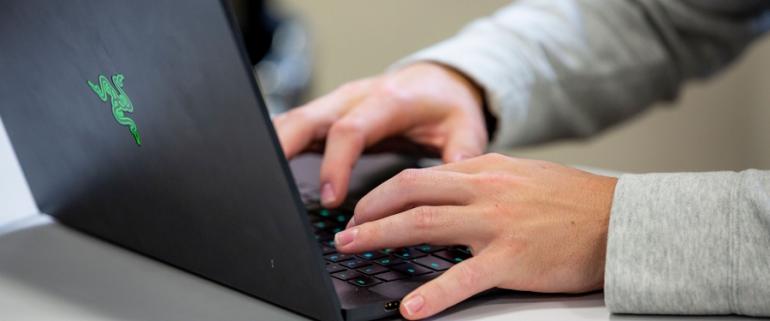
point(167, 151)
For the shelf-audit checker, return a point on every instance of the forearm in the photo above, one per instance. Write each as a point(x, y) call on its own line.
point(690, 243)
point(552, 69)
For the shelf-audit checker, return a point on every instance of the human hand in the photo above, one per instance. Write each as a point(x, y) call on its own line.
point(426, 104)
point(531, 226)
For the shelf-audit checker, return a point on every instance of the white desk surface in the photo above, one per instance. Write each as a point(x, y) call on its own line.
point(49, 272)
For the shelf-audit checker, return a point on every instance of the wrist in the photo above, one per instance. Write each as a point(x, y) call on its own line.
point(474, 90)
point(605, 195)
point(458, 83)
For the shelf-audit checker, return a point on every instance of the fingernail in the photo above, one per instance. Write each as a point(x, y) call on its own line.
point(414, 304)
point(352, 222)
point(327, 194)
point(345, 237)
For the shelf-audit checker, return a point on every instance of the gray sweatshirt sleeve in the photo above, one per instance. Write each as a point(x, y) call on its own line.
point(689, 243)
point(569, 68)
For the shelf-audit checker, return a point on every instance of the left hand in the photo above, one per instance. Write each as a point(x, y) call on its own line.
point(531, 225)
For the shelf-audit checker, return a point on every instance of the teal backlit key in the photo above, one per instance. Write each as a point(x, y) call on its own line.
point(363, 281)
point(433, 263)
point(410, 269)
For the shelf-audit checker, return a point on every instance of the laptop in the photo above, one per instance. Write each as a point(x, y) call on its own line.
point(140, 123)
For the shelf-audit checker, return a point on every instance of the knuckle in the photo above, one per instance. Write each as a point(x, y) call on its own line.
point(393, 92)
point(347, 127)
point(297, 115)
point(491, 183)
point(496, 179)
point(424, 218)
point(468, 276)
point(495, 157)
point(349, 88)
point(408, 176)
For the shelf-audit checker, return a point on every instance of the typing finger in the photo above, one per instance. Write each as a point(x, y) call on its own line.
point(364, 125)
point(460, 282)
point(424, 224)
point(412, 188)
point(298, 128)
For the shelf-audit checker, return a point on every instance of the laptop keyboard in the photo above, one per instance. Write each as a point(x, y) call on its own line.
point(375, 267)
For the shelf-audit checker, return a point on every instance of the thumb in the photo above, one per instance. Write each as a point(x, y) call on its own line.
point(464, 143)
point(460, 282)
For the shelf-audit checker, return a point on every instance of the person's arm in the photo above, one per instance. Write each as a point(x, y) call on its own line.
point(695, 243)
point(690, 243)
point(553, 69)
point(548, 69)
point(531, 225)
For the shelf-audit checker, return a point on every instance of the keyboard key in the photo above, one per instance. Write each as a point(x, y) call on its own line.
point(388, 261)
point(463, 249)
point(325, 213)
point(453, 256)
point(390, 276)
point(427, 248)
point(323, 225)
point(333, 268)
point(364, 281)
point(410, 269)
point(408, 253)
point(373, 269)
point(338, 257)
point(355, 263)
point(371, 255)
point(433, 263)
point(387, 251)
point(341, 218)
point(346, 275)
point(327, 250)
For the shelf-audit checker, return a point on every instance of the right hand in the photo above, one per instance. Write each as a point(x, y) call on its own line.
point(429, 105)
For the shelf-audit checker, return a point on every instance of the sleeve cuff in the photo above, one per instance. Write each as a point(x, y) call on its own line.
point(670, 244)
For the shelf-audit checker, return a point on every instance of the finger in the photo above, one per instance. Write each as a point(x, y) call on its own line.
point(486, 162)
point(424, 224)
point(298, 128)
point(466, 141)
point(362, 126)
point(412, 188)
point(460, 282)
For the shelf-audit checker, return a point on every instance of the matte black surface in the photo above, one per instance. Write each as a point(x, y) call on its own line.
point(208, 191)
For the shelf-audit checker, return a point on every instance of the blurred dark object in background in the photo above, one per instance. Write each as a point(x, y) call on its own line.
point(257, 26)
point(279, 48)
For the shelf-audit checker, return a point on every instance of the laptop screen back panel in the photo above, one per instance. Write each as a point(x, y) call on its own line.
point(173, 156)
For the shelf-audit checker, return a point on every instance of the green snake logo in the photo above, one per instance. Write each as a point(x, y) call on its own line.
point(121, 104)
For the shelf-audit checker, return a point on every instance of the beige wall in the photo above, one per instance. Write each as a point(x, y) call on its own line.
point(720, 124)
